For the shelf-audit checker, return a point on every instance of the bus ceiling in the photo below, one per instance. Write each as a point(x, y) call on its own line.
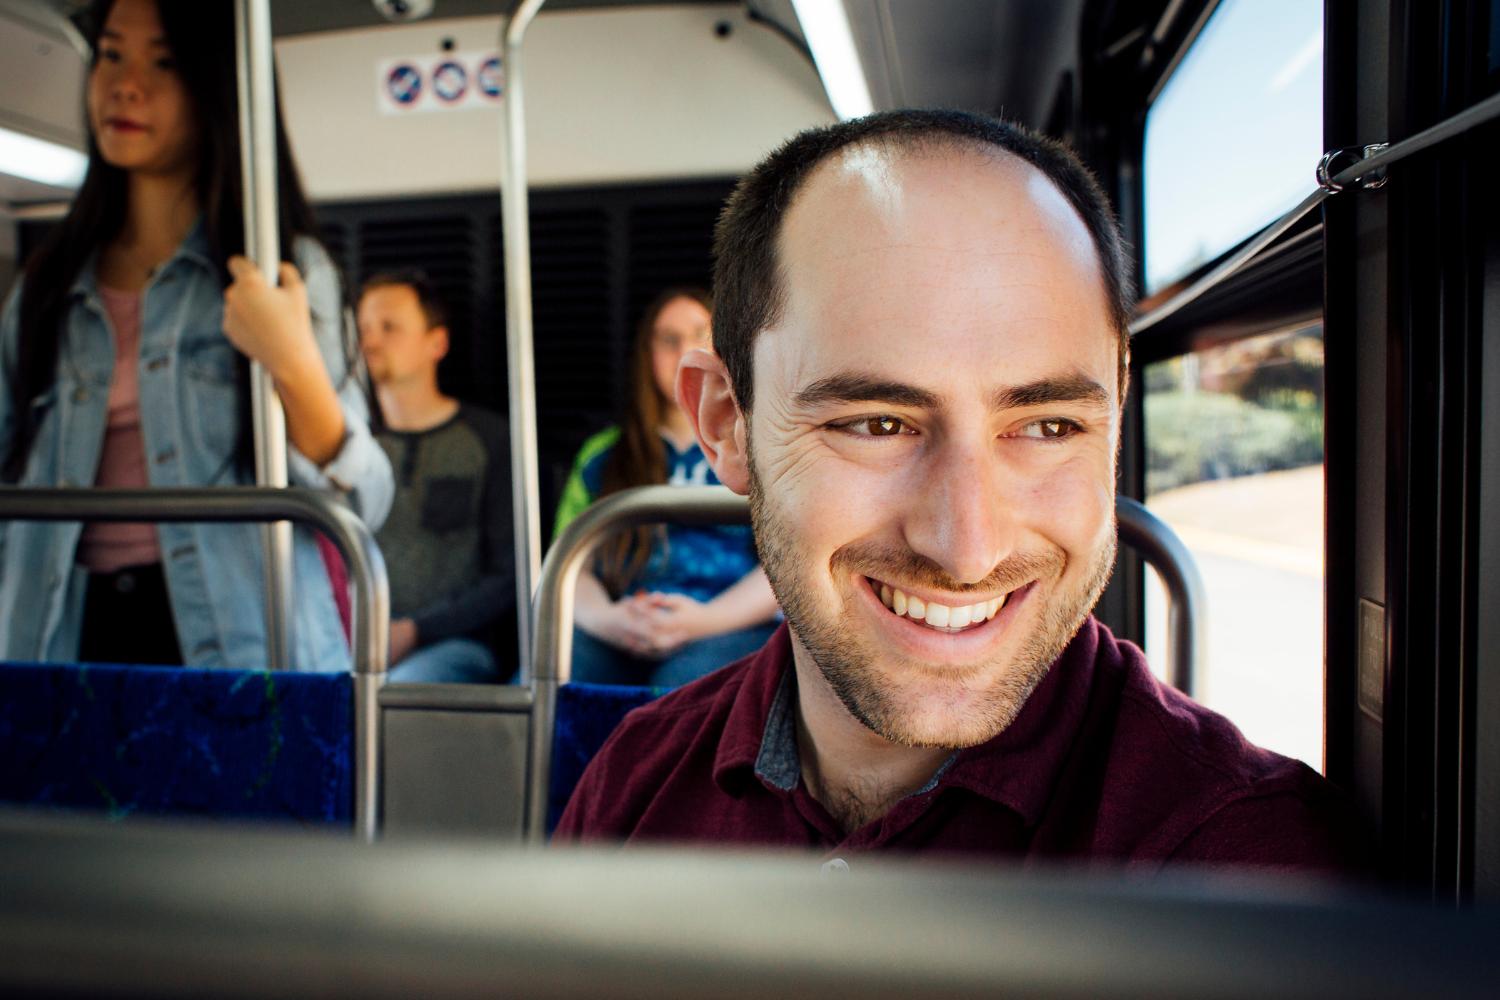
point(979, 55)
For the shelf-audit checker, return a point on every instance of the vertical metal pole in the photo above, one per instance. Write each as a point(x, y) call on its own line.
point(254, 55)
point(525, 492)
point(525, 489)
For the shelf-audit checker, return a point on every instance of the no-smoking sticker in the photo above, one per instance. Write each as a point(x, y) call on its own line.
point(450, 81)
point(491, 79)
point(403, 84)
point(456, 81)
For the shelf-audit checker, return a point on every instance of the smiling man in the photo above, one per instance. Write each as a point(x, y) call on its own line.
point(921, 320)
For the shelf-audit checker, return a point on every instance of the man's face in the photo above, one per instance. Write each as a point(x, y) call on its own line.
point(393, 334)
point(934, 433)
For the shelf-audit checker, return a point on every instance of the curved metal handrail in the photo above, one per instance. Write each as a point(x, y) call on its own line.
point(369, 629)
point(1159, 545)
point(699, 505)
point(553, 616)
point(617, 512)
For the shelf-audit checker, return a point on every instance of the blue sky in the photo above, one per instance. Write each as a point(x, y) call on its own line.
point(1234, 137)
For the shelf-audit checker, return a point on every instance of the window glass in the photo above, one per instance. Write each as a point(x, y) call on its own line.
point(1234, 137)
point(1234, 464)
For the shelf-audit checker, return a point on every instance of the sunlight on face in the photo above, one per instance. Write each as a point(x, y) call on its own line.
point(934, 439)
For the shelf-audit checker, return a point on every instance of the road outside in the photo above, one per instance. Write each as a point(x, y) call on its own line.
point(1258, 541)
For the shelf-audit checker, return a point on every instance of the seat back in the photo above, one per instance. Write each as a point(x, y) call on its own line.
point(586, 715)
point(129, 740)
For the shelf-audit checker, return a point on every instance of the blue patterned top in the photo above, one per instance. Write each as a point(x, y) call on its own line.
point(699, 561)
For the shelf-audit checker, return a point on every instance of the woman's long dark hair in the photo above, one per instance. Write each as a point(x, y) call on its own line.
point(639, 457)
point(200, 36)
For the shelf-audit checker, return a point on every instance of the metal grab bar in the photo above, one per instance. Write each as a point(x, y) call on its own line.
point(369, 629)
point(1159, 545)
point(257, 105)
point(1372, 164)
point(698, 505)
point(520, 364)
point(620, 511)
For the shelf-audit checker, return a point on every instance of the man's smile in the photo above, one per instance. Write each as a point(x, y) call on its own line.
point(920, 627)
point(942, 617)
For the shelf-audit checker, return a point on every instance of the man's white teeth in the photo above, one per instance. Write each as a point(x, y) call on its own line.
point(939, 615)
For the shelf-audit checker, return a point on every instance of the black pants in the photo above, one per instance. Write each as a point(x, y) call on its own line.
point(127, 618)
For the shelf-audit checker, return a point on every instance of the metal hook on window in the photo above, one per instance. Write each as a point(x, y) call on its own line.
point(1336, 161)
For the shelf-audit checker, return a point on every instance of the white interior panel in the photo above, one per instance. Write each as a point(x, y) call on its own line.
point(611, 96)
point(41, 77)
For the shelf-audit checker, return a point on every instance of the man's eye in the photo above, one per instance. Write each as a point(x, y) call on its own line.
point(882, 426)
point(109, 55)
point(1050, 429)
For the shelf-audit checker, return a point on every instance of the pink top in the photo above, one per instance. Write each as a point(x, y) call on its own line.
point(105, 548)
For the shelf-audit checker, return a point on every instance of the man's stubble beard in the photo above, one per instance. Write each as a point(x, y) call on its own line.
point(846, 660)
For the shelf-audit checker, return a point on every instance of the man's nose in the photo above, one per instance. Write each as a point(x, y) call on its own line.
point(963, 516)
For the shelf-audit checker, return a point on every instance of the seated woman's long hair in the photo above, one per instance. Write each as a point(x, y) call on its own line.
point(639, 457)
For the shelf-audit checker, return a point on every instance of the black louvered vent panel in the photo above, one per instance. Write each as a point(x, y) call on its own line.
point(599, 255)
point(445, 248)
point(576, 382)
point(670, 244)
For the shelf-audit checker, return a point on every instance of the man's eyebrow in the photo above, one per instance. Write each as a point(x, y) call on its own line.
point(851, 387)
point(1074, 388)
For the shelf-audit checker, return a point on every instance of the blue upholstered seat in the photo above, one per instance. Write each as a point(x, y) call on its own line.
point(586, 715)
point(168, 740)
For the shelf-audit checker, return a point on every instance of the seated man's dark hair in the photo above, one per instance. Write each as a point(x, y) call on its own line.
point(748, 296)
point(432, 305)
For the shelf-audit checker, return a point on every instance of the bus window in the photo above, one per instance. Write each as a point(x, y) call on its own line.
point(1232, 138)
point(1234, 463)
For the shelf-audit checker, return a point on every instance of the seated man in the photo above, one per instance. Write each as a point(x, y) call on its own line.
point(447, 540)
point(921, 318)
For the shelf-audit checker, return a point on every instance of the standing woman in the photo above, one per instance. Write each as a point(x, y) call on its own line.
point(662, 606)
point(125, 354)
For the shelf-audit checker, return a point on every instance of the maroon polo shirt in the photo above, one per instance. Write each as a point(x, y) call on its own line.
point(1103, 762)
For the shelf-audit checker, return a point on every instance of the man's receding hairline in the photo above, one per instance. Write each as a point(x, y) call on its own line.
point(915, 145)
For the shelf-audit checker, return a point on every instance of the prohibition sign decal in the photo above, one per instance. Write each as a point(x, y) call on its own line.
point(450, 81)
point(404, 84)
point(491, 81)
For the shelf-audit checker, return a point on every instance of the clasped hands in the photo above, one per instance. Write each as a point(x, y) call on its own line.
point(656, 625)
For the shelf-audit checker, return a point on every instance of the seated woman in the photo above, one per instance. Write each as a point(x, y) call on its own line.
point(663, 605)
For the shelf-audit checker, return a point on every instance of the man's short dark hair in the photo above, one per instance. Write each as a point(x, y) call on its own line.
point(748, 290)
point(433, 309)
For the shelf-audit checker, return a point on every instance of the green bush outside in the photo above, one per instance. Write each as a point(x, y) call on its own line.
point(1195, 436)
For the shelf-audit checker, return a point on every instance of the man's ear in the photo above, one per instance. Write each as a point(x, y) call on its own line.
point(705, 395)
point(440, 344)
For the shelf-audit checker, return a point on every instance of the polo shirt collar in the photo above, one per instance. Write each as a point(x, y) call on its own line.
point(778, 763)
point(1016, 769)
point(740, 747)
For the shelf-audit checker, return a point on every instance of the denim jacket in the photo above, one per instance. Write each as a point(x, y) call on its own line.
point(190, 424)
